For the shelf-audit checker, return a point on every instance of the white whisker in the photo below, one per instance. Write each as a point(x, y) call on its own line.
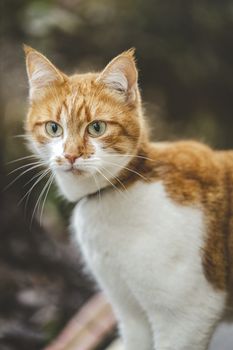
point(25, 166)
point(46, 195)
point(20, 175)
point(117, 179)
point(22, 158)
point(20, 136)
point(96, 182)
point(39, 198)
point(34, 177)
point(98, 186)
point(44, 173)
point(126, 155)
point(116, 188)
point(131, 170)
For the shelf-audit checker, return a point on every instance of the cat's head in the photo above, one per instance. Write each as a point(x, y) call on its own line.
point(84, 126)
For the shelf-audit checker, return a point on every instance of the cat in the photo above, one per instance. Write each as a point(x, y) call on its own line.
point(153, 220)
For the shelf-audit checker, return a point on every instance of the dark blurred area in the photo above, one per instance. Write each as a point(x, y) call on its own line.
point(184, 51)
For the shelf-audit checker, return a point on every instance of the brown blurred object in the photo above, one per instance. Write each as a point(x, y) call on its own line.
point(87, 330)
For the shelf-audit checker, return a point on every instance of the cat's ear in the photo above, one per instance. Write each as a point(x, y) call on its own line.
point(41, 72)
point(121, 75)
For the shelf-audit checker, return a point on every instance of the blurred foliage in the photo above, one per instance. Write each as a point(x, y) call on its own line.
point(185, 53)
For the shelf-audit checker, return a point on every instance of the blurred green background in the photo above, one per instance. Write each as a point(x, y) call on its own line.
point(184, 52)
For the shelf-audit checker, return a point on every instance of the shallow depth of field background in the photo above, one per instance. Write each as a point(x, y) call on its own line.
point(184, 52)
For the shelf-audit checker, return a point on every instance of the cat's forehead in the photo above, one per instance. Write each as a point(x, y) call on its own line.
point(86, 100)
point(83, 83)
point(76, 108)
point(79, 101)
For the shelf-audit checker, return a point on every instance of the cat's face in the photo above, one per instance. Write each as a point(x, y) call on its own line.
point(87, 125)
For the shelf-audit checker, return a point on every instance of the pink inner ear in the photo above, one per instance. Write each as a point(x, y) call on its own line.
point(121, 73)
point(41, 72)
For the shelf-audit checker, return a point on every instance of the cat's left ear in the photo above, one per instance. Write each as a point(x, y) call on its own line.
point(121, 76)
point(41, 72)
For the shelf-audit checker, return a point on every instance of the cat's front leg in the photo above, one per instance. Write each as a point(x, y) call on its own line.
point(185, 329)
point(135, 333)
point(133, 324)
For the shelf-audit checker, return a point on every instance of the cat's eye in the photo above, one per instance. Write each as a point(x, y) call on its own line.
point(53, 129)
point(96, 128)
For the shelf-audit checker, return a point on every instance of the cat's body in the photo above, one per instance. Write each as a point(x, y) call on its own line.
point(148, 250)
point(154, 222)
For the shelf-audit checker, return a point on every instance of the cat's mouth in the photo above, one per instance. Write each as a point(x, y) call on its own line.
point(75, 171)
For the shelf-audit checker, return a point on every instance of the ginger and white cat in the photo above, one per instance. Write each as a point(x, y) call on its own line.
point(154, 221)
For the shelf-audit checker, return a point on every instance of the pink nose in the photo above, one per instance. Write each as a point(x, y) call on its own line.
point(71, 158)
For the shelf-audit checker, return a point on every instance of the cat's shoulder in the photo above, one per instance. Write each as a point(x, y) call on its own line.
point(183, 156)
point(180, 151)
point(186, 168)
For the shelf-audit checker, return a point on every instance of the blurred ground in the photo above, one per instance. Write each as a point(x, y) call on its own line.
point(96, 319)
point(185, 54)
point(223, 338)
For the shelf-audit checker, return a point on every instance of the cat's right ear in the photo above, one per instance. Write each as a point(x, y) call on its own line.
point(41, 72)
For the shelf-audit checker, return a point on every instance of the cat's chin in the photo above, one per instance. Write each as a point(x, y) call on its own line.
point(74, 185)
point(74, 171)
point(77, 172)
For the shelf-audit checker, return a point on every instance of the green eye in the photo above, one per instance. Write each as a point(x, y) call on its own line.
point(97, 128)
point(53, 129)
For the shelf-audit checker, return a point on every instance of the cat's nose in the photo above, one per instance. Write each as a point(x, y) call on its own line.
point(71, 157)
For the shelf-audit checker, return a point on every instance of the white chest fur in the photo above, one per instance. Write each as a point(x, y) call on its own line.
point(142, 245)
